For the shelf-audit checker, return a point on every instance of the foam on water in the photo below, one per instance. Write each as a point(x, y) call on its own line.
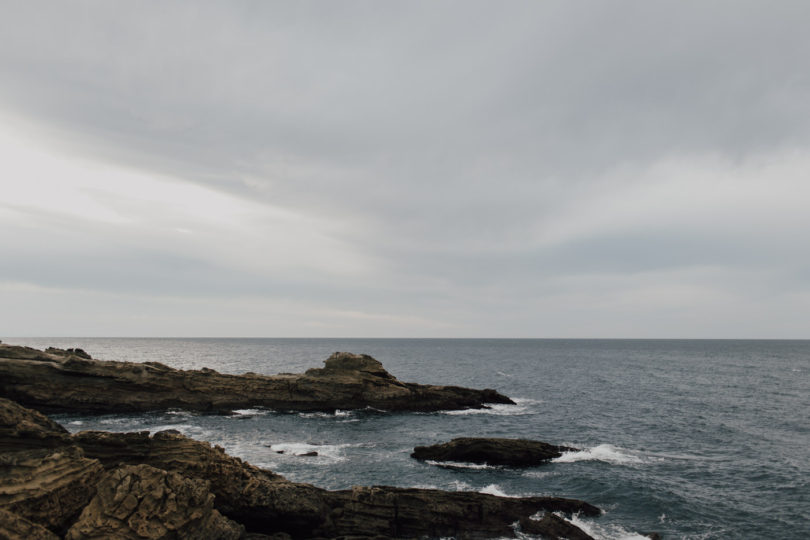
point(603, 452)
point(604, 531)
point(522, 406)
point(250, 412)
point(461, 465)
point(494, 489)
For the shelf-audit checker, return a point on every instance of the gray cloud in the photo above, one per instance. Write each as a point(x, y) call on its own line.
point(481, 156)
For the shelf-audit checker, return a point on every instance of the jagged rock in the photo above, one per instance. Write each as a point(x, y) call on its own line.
point(493, 451)
point(411, 513)
point(16, 527)
point(58, 382)
point(25, 429)
point(553, 527)
point(43, 476)
point(141, 502)
point(267, 503)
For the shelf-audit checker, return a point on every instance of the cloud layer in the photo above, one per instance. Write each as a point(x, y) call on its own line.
point(405, 169)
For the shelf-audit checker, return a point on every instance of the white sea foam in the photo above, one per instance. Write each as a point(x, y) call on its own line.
point(604, 452)
point(76, 423)
point(494, 489)
point(249, 412)
point(326, 452)
point(460, 465)
point(604, 531)
point(521, 406)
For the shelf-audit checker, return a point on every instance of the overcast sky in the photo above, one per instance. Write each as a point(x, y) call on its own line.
point(405, 169)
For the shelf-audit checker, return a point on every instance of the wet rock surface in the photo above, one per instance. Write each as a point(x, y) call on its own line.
point(492, 451)
point(70, 381)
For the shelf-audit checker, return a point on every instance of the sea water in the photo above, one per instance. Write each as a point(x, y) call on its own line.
point(692, 439)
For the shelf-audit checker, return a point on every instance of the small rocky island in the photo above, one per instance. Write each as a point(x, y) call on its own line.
point(69, 380)
point(492, 451)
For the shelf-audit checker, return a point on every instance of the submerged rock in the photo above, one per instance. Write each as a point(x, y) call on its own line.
point(492, 451)
point(71, 381)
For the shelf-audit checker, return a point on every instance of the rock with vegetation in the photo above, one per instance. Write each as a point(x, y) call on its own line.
point(70, 381)
point(492, 451)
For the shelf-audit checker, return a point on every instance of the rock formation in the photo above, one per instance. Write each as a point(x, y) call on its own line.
point(267, 503)
point(44, 478)
point(70, 381)
point(492, 451)
point(138, 501)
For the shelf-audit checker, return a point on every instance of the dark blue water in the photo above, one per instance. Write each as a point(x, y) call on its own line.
point(692, 439)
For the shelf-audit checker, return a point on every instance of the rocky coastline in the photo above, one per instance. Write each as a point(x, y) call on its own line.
point(164, 485)
point(58, 380)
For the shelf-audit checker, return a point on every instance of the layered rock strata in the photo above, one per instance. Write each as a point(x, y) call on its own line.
point(267, 503)
point(492, 451)
point(68, 380)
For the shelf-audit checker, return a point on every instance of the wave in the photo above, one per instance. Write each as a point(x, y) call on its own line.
point(522, 406)
point(249, 412)
point(603, 452)
point(604, 531)
point(461, 465)
point(495, 489)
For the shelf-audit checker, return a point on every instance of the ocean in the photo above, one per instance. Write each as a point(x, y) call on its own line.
point(694, 439)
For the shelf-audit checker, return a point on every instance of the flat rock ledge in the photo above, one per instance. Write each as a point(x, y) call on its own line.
point(492, 451)
point(167, 486)
point(69, 380)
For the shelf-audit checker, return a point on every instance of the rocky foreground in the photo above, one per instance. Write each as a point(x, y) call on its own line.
point(133, 485)
point(58, 380)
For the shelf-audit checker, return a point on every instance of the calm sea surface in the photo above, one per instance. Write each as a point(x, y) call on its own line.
point(692, 439)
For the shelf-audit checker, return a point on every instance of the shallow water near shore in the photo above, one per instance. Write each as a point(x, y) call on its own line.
point(692, 439)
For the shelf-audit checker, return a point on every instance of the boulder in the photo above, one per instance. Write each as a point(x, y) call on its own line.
point(73, 382)
point(141, 502)
point(492, 451)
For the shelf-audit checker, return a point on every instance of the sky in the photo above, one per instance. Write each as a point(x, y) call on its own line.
point(435, 168)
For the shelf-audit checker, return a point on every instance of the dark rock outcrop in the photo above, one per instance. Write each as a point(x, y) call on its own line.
point(71, 381)
point(492, 451)
point(267, 503)
point(139, 501)
point(553, 527)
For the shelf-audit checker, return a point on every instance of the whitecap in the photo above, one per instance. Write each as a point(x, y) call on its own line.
point(249, 412)
point(604, 531)
point(461, 465)
point(604, 452)
point(521, 406)
point(76, 423)
point(494, 489)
